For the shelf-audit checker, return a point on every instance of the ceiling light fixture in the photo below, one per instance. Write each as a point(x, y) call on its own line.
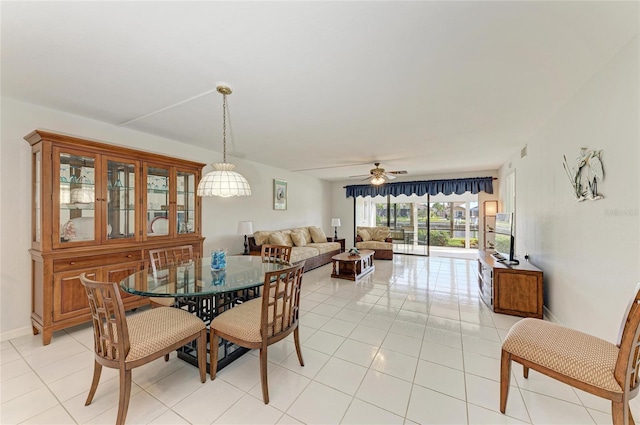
point(378, 176)
point(223, 181)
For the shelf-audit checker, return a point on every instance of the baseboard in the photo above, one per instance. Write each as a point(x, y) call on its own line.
point(549, 315)
point(5, 336)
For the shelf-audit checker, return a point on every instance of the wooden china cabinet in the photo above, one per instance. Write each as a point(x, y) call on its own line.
point(98, 209)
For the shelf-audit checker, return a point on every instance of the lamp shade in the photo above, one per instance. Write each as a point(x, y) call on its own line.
point(224, 182)
point(335, 222)
point(245, 228)
point(490, 207)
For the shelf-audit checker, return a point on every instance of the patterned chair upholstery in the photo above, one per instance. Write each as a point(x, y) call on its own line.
point(125, 343)
point(262, 321)
point(581, 360)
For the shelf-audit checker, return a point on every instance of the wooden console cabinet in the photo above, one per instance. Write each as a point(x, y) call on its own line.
point(99, 209)
point(510, 289)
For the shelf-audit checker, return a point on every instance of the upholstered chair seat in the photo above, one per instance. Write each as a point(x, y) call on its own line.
point(574, 354)
point(263, 321)
point(578, 359)
point(124, 343)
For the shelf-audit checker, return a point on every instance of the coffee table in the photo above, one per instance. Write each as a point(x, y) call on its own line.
point(352, 267)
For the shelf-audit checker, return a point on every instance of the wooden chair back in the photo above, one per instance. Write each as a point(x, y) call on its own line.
point(165, 257)
point(110, 331)
point(281, 303)
point(626, 370)
point(276, 253)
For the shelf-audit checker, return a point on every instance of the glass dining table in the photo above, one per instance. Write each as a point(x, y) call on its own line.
point(194, 287)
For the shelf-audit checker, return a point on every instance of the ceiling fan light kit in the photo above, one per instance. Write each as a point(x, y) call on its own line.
point(378, 176)
point(223, 181)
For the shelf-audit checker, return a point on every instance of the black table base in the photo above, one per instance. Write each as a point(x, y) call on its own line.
point(207, 308)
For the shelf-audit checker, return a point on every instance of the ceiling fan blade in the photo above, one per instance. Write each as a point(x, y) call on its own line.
point(332, 166)
point(390, 176)
point(359, 175)
point(396, 172)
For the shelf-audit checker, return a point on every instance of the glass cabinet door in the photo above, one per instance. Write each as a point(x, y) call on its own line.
point(74, 207)
point(121, 199)
point(158, 201)
point(36, 231)
point(186, 202)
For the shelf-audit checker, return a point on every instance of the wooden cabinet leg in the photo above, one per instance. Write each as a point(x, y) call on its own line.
point(36, 331)
point(46, 336)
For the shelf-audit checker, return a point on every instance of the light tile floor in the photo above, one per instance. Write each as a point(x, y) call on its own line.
point(410, 344)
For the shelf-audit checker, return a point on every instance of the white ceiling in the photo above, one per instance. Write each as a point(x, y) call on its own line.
point(427, 87)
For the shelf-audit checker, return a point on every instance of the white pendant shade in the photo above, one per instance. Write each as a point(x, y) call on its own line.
point(224, 182)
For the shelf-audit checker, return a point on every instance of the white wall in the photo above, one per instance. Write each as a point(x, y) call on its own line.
point(589, 251)
point(309, 198)
point(343, 207)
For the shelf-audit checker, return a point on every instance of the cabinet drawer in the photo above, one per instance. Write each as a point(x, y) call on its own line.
point(73, 263)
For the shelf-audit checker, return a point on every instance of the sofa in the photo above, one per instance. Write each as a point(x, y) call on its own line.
point(375, 238)
point(308, 243)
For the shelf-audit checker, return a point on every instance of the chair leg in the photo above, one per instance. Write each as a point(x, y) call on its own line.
point(213, 354)
point(166, 357)
point(525, 371)
point(505, 377)
point(125, 394)
point(621, 413)
point(97, 370)
point(202, 355)
point(296, 339)
point(263, 375)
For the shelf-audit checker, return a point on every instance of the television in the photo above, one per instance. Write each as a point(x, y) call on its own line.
point(504, 239)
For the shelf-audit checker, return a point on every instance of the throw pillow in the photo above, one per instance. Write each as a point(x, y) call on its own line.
point(277, 238)
point(298, 239)
point(380, 234)
point(317, 235)
point(261, 236)
point(364, 234)
point(286, 234)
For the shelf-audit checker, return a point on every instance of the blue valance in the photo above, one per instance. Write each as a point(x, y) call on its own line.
point(422, 187)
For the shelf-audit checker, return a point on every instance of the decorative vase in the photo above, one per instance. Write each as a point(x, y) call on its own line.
point(218, 259)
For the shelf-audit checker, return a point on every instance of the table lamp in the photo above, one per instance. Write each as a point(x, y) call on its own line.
point(335, 222)
point(245, 228)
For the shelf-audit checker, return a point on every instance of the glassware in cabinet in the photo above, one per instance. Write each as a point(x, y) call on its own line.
point(158, 201)
point(186, 202)
point(75, 197)
point(121, 199)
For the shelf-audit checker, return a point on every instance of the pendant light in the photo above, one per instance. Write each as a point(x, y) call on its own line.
point(223, 181)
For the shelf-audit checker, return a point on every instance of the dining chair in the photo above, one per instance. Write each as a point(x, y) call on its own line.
point(578, 359)
point(125, 343)
point(276, 253)
point(164, 257)
point(262, 321)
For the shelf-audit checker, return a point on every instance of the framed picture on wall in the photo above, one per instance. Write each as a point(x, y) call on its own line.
point(279, 195)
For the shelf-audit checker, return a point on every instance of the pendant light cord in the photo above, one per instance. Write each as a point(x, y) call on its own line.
point(224, 128)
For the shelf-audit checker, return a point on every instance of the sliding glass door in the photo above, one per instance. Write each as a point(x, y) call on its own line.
point(440, 225)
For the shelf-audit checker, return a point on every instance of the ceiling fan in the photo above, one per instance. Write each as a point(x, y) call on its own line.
point(379, 176)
